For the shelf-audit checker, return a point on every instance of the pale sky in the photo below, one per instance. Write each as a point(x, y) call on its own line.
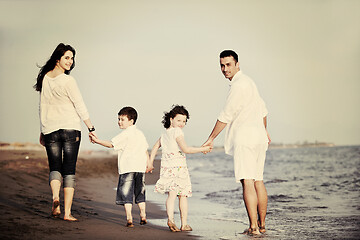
point(303, 55)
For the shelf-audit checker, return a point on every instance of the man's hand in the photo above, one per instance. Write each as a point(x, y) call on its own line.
point(268, 135)
point(208, 143)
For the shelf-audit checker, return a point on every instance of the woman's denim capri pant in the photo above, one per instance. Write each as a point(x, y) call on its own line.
point(62, 147)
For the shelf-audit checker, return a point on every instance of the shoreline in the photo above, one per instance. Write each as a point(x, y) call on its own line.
point(25, 201)
point(103, 153)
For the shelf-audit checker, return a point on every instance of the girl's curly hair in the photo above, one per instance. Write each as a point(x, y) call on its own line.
point(176, 109)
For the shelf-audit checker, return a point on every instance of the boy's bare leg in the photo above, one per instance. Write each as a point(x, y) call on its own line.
point(142, 207)
point(128, 209)
point(262, 203)
point(251, 203)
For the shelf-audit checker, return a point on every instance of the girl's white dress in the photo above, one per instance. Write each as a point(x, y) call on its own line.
point(174, 174)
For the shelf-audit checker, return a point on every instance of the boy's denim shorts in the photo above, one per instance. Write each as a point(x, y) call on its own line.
point(131, 186)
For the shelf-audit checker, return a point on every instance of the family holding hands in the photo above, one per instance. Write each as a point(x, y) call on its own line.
point(62, 108)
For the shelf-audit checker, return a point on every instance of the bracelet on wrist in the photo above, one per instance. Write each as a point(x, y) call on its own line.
point(91, 129)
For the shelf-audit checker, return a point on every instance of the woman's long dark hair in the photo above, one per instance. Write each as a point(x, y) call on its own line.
point(51, 63)
point(173, 112)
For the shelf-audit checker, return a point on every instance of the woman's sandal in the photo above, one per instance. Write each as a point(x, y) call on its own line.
point(55, 212)
point(186, 228)
point(129, 224)
point(172, 226)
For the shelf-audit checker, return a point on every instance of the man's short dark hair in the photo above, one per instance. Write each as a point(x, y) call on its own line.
point(229, 53)
point(130, 112)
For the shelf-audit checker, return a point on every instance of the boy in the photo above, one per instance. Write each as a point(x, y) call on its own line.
point(131, 146)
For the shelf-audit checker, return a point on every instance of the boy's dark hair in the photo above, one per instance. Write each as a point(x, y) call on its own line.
point(130, 112)
point(173, 112)
point(229, 53)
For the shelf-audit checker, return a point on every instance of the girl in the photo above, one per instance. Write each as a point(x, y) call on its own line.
point(61, 109)
point(174, 176)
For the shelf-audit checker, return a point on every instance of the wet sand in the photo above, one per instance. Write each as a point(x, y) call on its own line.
point(25, 201)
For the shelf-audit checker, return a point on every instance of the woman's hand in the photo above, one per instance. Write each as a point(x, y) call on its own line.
point(92, 137)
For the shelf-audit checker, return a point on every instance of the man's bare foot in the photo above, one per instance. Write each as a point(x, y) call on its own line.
point(186, 228)
point(252, 231)
point(70, 218)
point(55, 211)
point(261, 228)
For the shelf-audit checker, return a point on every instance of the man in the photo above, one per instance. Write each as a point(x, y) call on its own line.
point(246, 138)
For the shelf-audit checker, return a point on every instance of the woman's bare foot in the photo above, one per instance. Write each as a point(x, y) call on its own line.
point(186, 228)
point(55, 211)
point(172, 226)
point(70, 218)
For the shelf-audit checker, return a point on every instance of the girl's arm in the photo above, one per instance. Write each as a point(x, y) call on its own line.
point(186, 149)
point(154, 150)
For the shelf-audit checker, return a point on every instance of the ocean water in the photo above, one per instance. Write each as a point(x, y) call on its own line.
point(313, 194)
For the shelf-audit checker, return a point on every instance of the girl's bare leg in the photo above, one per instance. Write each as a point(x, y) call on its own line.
point(170, 203)
point(183, 207)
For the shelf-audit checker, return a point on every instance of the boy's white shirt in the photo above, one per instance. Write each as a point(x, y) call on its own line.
point(131, 146)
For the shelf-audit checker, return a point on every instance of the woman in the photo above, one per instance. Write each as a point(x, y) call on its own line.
point(61, 111)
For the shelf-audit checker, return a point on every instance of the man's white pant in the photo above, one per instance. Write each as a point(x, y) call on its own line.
point(249, 161)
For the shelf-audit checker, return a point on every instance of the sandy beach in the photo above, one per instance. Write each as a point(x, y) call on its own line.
point(303, 197)
point(25, 200)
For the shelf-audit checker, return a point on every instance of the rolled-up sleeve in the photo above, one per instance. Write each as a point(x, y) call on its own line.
point(233, 105)
point(119, 141)
point(76, 97)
